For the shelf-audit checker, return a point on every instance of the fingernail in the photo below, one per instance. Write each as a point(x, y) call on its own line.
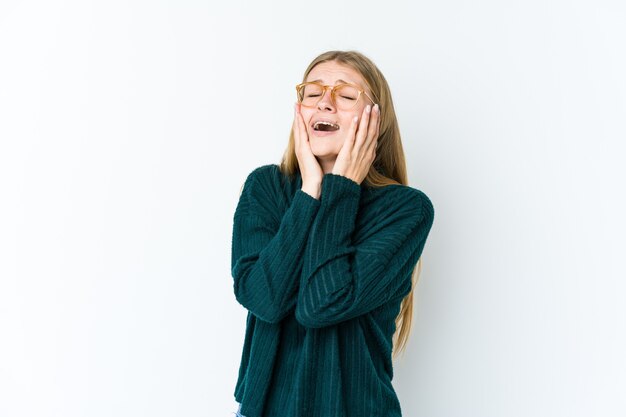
point(376, 107)
point(368, 108)
point(354, 120)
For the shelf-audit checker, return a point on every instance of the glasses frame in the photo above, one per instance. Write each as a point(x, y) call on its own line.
point(332, 93)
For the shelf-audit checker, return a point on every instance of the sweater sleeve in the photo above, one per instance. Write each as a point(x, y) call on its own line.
point(266, 250)
point(342, 279)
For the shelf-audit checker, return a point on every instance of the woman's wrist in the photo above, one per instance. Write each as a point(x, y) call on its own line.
point(312, 189)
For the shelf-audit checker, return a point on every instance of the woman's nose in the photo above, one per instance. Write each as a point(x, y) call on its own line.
point(326, 101)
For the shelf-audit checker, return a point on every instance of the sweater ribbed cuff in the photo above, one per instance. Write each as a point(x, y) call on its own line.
point(306, 202)
point(334, 184)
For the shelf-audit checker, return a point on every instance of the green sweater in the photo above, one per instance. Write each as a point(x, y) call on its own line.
point(322, 281)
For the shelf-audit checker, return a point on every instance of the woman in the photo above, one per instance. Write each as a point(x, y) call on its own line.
point(323, 253)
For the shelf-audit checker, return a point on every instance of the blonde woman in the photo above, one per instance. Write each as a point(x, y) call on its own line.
point(325, 250)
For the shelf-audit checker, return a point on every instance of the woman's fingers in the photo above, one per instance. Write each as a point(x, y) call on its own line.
point(296, 128)
point(310, 169)
point(299, 131)
point(352, 133)
point(373, 129)
point(361, 134)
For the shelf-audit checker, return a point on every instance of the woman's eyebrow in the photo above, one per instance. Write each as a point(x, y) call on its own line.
point(339, 80)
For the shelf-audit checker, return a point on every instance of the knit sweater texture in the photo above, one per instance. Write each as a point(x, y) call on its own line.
point(322, 280)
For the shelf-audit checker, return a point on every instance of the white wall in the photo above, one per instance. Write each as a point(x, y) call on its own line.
point(128, 127)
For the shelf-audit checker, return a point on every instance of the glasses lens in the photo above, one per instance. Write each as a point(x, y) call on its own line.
point(310, 94)
point(346, 97)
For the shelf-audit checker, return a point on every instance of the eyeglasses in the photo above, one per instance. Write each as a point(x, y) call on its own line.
point(345, 96)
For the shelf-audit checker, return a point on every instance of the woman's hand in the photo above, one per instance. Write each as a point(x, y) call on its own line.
point(310, 170)
point(359, 149)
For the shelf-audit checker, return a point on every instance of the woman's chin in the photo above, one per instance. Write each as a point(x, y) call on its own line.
point(324, 151)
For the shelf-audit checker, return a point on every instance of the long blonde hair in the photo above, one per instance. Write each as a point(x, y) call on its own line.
point(389, 166)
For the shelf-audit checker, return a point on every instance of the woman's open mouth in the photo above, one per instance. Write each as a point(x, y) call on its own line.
point(324, 128)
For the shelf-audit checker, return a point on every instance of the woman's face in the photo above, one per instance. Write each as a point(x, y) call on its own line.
point(327, 144)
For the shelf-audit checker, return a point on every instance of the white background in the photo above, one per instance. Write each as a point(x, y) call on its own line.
point(128, 127)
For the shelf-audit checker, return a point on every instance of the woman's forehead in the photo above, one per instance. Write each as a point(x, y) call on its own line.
point(332, 73)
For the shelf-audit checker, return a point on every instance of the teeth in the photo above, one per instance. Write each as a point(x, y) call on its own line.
point(316, 125)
